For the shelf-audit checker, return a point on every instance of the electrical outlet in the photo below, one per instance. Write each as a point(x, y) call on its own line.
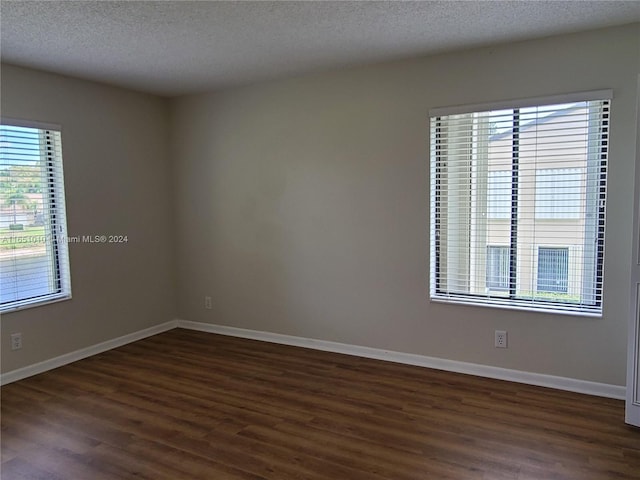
point(500, 339)
point(207, 303)
point(16, 341)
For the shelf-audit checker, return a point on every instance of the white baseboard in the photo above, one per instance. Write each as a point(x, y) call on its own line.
point(551, 381)
point(71, 357)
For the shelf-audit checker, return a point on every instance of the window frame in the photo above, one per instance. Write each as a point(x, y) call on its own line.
point(546, 181)
point(513, 301)
point(495, 208)
point(489, 261)
point(54, 195)
point(567, 252)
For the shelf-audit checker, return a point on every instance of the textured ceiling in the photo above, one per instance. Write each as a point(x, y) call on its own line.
point(177, 47)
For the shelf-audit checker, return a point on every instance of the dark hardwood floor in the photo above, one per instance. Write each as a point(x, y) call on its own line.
point(192, 405)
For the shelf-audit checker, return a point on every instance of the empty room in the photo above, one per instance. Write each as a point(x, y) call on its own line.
point(320, 240)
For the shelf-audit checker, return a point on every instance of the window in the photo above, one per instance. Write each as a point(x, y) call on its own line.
point(497, 267)
point(499, 195)
point(34, 261)
point(507, 178)
point(558, 193)
point(553, 270)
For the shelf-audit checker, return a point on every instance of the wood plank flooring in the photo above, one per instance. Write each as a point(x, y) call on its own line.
point(192, 405)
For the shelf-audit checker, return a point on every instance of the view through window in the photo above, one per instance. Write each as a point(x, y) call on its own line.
point(518, 205)
point(34, 263)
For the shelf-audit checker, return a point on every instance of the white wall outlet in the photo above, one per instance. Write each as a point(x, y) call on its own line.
point(500, 339)
point(16, 341)
point(207, 303)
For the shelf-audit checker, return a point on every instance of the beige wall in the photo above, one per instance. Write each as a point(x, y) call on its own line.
point(117, 182)
point(302, 205)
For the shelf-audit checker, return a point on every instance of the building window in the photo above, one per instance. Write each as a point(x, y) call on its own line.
point(34, 261)
point(559, 193)
point(521, 175)
point(497, 267)
point(553, 270)
point(499, 195)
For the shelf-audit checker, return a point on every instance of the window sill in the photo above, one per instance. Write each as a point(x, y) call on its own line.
point(517, 305)
point(34, 304)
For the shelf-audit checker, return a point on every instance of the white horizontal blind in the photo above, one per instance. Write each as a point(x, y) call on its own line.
point(34, 262)
point(533, 179)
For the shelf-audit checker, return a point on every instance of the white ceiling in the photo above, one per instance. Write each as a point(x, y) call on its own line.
point(177, 47)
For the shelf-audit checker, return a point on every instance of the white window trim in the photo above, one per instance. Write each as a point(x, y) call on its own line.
point(523, 103)
point(496, 302)
point(64, 254)
point(19, 122)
